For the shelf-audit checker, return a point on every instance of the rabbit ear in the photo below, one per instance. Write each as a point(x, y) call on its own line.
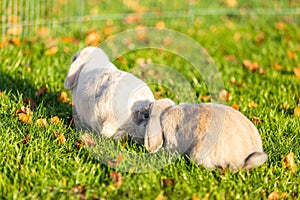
point(154, 130)
point(78, 61)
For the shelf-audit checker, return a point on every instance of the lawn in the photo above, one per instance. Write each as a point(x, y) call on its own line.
point(257, 55)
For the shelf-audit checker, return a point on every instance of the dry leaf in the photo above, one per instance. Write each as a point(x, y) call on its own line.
point(93, 38)
point(252, 66)
point(236, 107)
point(111, 163)
point(23, 117)
point(256, 120)
point(168, 182)
point(231, 3)
point(291, 55)
point(43, 31)
point(237, 36)
point(273, 196)
point(78, 144)
point(25, 110)
point(87, 139)
point(297, 111)
point(277, 66)
point(40, 91)
point(79, 190)
point(252, 104)
point(160, 197)
point(289, 162)
point(284, 195)
point(55, 120)
point(26, 139)
point(280, 25)
point(297, 72)
point(30, 101)
point(260, 37)
point(160, 25)
point(42, 122)
point(206, 98)
point(16, 41)
point(195, 197)
point(119, 158)
point(132, 19)
point(224, 95)
point(117, 178)
point(61, 138)
point(67, 39)
point(63, 97)
point(51, 51)
point(230, 58)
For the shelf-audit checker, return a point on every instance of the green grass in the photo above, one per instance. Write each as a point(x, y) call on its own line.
point(43, 168)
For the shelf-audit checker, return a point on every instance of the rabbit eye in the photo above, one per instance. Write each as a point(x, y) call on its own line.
point(146, 115)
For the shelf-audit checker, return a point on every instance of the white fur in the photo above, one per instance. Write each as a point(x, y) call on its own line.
point(105, 97)
point(212, 135)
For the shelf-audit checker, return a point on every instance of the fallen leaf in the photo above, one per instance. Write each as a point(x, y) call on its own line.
point(160, 197)
point(231, 3)
point(107, 30)
point(54, 120)
point(168, 182)
point(67, 39)
point(256, 120)
point(291, 55)
point(87, 139)
point(111, 163)
point(224, 95)
point(262, 71)
point(41, 91)
point(117, 178)
point(63, 97)
point(160, 25)
point(78, 144)
point(252, 104)
point(260, 37)
point(236, 107)
point(24, 110)
point(237, 36)
point(30, 101)
point(119, 158)
point(284, 195)
point(206, 98)
point(43, 31)
point(61, 138)
point(289, 162)
point(132, 19)
point(297, 72)
point(42, 122)
point(93, 38)
point(79, 190)
point(297, 111)
point(273, 196)
point(51, 51)
point(23, 117)
point(280, 25)
point(277, 66)
point(230, 58)
point(195, 197)
point(252, 66)
point(26, 139)
point(16, 41)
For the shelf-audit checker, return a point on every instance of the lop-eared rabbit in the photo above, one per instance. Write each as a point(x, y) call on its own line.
point(212, 135)
point(105, 97)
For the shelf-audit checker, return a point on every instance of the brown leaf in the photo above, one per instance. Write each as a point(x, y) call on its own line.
point(231, 3)
point(30, 101)
point(277, 66)
point(119, 158)
point(51, 51)
point(260, 37)
point(195, 197)
point(297, 111)
point(40, 91)
point(93, 38)
point(87, 139)
point(79, 190)
point(78, 144)
point(284, 195)
point(289, 162)
point(117, 178)
point(168, 182)
point(256, 120)
point(24, 110)
point(297, 72)
point(160, 25)
point(273, 196)
point(160, 197)
point(230, 58)
point(237, 36)
point(43, 31)
point(111, 163)
point(23, 117)
point(132, 19)
point(26, 139)
point(291, 55)
point(61, 138)
point(206, 98)
point(236, 107)
point(224, 95)
point(252, 104)
point(280, 25)
point(16, 41)
point(252, 66)
point(54, 120)
point(63, 97)
point(42, 122)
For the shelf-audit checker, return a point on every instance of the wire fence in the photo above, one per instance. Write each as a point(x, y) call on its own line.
point(24, 18)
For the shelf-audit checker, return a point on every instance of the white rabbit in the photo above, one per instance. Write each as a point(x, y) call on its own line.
point(212, 135)
point(105, 97)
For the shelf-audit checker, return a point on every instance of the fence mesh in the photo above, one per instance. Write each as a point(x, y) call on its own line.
point(24, 18)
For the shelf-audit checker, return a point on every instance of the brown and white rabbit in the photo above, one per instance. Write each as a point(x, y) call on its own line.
point(105, 97)
point(212, 135)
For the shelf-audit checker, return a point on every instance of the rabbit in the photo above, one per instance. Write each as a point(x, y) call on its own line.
point(213, 135)
point(103, 96)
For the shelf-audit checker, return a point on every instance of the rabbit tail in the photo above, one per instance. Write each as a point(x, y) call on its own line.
point(255, 159)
